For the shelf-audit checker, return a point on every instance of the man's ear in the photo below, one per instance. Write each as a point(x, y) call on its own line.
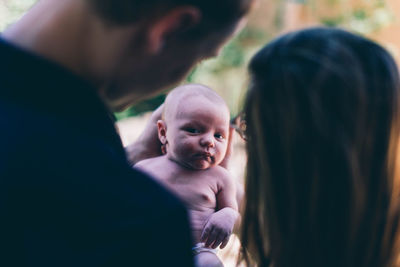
point(172, 23)
point(162, 131)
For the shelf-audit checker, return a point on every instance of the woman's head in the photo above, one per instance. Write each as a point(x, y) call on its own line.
point(323, 128)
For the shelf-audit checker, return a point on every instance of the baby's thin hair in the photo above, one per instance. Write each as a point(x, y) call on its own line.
point(186, 91)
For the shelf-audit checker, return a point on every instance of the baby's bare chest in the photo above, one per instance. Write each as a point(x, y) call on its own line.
point(197, 191)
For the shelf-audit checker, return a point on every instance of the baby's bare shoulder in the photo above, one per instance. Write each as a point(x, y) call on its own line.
point(152, 166)
point(146, 163)
point(222, 174)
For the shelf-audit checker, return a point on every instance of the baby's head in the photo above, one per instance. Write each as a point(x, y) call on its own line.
point(194, 127)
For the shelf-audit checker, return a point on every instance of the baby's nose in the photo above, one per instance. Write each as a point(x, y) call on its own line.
point(207, 141)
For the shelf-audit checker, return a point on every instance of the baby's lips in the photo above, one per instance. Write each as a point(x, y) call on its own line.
point(209, 158)
point(208, 154)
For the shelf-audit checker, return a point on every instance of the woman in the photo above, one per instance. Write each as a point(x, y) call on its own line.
point(322, 119)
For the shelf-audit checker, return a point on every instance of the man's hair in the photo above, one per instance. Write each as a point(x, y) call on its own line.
point(215, 13)
point(323, 130)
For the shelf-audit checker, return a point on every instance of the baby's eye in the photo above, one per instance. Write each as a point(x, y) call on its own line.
point(219, 136)
point(192, 130)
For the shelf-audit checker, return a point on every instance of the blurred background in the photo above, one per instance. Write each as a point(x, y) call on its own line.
point(227, 74)
point(376, 19)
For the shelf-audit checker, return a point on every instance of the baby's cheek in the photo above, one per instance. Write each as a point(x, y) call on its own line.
point(186, 146)
point(221, 151)
point(189, 146)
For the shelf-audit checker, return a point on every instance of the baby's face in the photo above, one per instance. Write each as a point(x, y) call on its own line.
point(197, 134)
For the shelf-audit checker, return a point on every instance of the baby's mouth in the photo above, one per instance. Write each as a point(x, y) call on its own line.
point(207, 156)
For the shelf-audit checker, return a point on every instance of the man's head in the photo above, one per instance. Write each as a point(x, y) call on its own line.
point(128, 49)
point(171, 36)
point(195, 127)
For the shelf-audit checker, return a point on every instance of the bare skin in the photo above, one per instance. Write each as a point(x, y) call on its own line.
point(203, 192)
point(195, 132)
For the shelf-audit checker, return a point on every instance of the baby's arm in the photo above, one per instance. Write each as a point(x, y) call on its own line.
point(219, 225)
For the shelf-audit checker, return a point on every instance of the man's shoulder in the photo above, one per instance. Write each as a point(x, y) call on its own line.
point(46, 157)
point(31, 132)
point(62, 158)
point(23, 129)
point(20, 120)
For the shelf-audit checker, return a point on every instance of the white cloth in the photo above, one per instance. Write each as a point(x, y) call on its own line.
point(200, 247)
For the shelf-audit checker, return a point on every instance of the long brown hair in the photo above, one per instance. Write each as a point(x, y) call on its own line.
point(322, 118)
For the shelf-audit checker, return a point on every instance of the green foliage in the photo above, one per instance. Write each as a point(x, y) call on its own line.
point(364, 19)
point(144, 106)
point(333, 21)
point(233, 55)
point(360, 14)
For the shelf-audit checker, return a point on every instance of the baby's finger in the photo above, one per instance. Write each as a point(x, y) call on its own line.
point(205, 234)
point(211, 238)
point(218, 240)
point(225, 242)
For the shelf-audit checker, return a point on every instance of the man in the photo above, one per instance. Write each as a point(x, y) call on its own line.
point(68, 196)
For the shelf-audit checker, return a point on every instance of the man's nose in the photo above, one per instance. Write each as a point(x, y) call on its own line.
point(207, 140)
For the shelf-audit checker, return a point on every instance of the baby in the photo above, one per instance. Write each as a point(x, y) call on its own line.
point(194, 131)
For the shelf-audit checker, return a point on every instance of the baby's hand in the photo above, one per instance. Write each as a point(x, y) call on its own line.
point(218, 228)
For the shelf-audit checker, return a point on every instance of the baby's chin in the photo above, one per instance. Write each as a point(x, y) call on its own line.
point(201, 165)
point(196, 164)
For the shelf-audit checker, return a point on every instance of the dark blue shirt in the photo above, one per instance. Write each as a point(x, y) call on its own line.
point(68, 196)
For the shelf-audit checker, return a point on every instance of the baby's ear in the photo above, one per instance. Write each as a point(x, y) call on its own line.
point(162, 131)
